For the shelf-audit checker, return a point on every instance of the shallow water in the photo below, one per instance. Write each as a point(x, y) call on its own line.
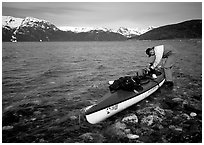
point(43, 84)
point(31, 69)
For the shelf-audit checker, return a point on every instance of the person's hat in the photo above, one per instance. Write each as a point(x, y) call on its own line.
point(148, 51)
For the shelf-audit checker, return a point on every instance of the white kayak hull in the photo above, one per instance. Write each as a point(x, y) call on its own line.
point(105, 113)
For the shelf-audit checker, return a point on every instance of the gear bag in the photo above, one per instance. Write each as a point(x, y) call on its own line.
point(129, 83)
point(126, 83)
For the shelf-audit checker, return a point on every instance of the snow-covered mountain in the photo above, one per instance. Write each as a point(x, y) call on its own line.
point(127, 32)
point(37, 23)
point(11, 22)
point(76, 29)
point(146, 30)
point(33, 29)
point(84, 29)
point(30, 28)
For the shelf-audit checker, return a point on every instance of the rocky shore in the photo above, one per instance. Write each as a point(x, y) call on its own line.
point(163, 117)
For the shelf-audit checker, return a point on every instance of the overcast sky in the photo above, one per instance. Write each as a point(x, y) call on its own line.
point(108, 14)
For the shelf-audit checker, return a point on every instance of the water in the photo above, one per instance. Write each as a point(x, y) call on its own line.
point(44, 84)
point(57, 79)
point(31, 69)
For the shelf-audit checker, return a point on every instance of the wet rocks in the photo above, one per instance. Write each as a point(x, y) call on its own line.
point(168, 113)
point(37, 113)
point(132, 136)
point(73, 117)
point(172, 127)
point(92, 137)
point(140, 125)
point(7, 127)
point(159, 111)
point(120, 130)
point(131, 118)
point(177, 100)
point(87, 137)
point(185, 116)
point(179, 129)
point(117, 129)
point(192, 114)
point(151, 110)
point(151, 115)
point(150, 119)
point(9, 108)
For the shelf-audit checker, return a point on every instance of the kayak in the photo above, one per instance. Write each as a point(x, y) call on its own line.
point(113, 103)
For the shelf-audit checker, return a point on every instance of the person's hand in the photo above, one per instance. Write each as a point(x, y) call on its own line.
point(150, 64)
point(159, 66)
point(147, 69)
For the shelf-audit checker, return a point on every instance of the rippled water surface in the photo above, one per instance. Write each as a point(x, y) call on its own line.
point(64, 69)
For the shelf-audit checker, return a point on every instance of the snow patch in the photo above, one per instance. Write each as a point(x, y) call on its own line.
point(11, 22)
point(127, 32)
point(76, 29)
point(147, 29)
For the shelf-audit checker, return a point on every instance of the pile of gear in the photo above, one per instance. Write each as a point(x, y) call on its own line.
point(132, 83)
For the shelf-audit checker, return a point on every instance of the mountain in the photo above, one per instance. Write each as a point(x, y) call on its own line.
point(146, 30)
point(11, 22)
point(28, 29)
point(187, 29)
point(76, 29)
point(127, 32)
point(32, 29)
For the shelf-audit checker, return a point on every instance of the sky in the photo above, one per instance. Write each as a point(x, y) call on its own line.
point(106, 14)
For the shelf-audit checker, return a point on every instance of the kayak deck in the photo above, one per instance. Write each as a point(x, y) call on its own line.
point(111, 99)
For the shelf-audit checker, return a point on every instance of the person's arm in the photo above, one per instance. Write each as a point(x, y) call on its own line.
point(159, 50)
point(152, 61)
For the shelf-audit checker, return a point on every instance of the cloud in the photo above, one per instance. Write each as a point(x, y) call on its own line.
point(42, 8)
point(105, 13)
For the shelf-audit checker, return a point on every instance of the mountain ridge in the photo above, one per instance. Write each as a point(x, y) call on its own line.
point(14, 29)
point(33, 29)
point(128, 32)
point(182, 30)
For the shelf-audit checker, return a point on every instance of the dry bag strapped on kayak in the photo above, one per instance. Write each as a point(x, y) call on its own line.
point(126, 83)
point(129, 83)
